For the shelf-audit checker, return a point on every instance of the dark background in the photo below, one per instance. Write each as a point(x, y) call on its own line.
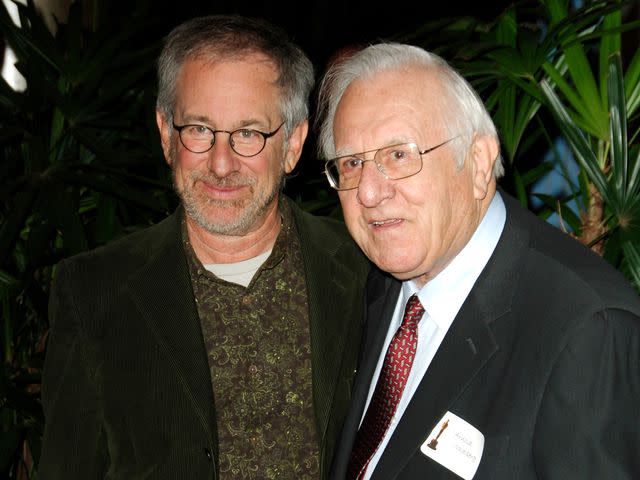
point(319, 27)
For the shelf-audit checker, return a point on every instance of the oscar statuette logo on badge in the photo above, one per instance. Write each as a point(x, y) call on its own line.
point(456, 445)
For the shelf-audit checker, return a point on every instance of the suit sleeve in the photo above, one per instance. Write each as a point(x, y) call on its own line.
point(73, 445)
point(589, 422)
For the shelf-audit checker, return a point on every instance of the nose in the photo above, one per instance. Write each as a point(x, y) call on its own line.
point(222, 160)
point(374, 187)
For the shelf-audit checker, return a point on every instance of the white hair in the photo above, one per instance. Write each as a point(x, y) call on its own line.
point(465, 112)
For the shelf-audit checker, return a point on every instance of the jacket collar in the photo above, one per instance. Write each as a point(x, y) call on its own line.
point(162, 292)
point(335, 317)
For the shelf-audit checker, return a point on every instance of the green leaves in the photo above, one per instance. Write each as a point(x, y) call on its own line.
point(79, 164)
point(576, 138)
point(595, 123)
point(549, 71)
point(632, 84)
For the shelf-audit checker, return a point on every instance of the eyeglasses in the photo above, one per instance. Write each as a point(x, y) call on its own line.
point(246, 142)
point(395, 162)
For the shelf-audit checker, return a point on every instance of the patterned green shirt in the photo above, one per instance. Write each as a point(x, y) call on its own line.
point(257, 340)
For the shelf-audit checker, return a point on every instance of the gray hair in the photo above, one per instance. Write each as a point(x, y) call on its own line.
point(232, 36)
point(465, 112)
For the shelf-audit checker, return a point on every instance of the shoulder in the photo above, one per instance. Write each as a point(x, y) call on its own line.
point(557, 268)
point(324, 230)
point(125, 254)
point(326, 236)
point(317, 224)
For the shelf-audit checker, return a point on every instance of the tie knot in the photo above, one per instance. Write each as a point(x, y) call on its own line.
point(414, 310)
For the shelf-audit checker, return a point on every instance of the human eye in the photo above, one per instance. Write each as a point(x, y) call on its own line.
point(246, 135)
point(398, 154)
point(349, 164)
point(197, 131)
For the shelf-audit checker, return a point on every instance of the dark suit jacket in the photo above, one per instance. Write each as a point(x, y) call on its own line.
point(543, 358)
point(126, 385)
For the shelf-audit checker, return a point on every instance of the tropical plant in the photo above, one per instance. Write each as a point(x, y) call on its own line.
point(594, 108)
point(81, 162)
point(549, 72)
point(79, 166)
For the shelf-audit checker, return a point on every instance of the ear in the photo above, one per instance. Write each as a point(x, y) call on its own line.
point(165, 135)
point(295, 144)
point(484, 153)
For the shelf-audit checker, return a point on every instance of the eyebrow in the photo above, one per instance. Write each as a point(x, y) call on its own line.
point(196, 118)
point(251, 123)
point(390, 143)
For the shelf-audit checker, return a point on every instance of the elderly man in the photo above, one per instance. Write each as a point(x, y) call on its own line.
point(517, 355)
point(220, 343)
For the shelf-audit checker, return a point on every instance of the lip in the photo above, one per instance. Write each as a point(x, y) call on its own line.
point(383, 224)
point(222, 191)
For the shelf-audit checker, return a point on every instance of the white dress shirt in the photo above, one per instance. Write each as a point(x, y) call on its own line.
point(441, 298)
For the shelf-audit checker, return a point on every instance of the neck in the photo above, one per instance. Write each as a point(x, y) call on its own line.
point(218, 248)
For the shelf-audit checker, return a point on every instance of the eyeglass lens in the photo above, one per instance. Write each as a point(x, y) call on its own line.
point(245, 142)
point(394, 162)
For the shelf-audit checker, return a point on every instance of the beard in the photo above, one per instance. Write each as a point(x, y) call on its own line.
point(210, 213)
point(226, 217)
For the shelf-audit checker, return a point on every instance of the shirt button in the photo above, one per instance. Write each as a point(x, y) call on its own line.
point(246, 300)
point(253, 369)
point(207, 453)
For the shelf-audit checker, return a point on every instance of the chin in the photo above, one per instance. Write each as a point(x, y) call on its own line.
point(391, 265)
point(400, 267)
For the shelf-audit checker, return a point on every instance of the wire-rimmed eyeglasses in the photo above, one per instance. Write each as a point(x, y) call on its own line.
point(246, 142)
point(395, 162)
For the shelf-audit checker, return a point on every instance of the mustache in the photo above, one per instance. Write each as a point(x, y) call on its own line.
point(232, 180)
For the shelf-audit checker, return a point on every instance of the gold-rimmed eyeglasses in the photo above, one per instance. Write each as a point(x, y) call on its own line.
point(395, 162)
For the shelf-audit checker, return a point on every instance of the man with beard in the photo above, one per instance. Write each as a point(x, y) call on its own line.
point(220, 343)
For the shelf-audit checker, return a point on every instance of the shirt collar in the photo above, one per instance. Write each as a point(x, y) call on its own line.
point(283, 241)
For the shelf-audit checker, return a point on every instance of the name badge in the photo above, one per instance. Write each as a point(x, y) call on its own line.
point(456, 445)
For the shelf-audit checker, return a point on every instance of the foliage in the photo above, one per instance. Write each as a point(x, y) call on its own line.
point(547, 71)
point(594, 120)
point(81, 161)
point(79, 167)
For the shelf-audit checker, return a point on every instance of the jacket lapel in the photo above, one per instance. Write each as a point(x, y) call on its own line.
point(335, 320)
point(163, 294)
point(468, 345)
point(382, 294)
point(466, 348)
point(384, 291)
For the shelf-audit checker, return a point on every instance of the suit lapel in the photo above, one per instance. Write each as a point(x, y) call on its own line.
point(380, 308)
point(382, 294)
point(163, 294)
point(335, 320)
point(329, 325)
point(467, 347)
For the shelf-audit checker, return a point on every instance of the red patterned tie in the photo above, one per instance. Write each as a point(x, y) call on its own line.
point(393, 377)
